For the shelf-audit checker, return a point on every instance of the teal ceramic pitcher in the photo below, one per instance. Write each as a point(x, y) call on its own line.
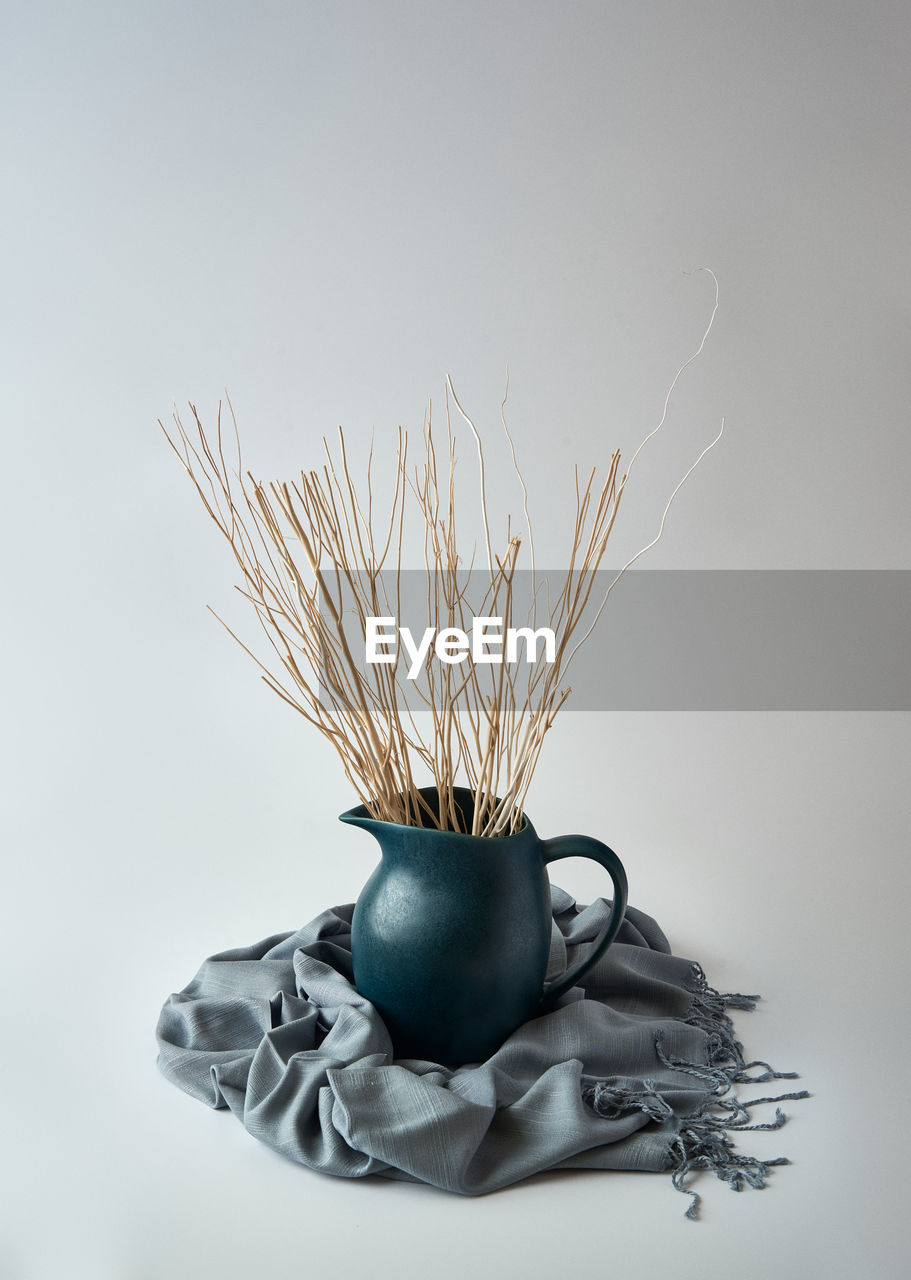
point(451, 934)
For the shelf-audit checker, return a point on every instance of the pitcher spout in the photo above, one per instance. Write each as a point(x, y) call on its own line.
point(359, 817)
point(435, 815)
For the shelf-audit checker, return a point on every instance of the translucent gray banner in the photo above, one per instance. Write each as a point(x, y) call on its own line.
point(676, 640)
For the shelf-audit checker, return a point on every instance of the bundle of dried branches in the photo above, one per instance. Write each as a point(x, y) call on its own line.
point(334, 560)
point(312, 555)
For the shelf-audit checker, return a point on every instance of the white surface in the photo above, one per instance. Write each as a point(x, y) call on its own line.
point(327, 208)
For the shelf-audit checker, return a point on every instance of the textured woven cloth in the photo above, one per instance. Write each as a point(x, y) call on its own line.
point(632, 1070)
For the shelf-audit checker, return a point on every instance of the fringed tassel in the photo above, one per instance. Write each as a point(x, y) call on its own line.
point(703, 1141)
point(714, 1151)
point(612, 1100)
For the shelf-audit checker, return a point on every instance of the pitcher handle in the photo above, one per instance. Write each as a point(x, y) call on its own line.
point(587, 847)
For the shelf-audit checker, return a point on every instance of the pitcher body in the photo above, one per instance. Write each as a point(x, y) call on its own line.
point(451, 935)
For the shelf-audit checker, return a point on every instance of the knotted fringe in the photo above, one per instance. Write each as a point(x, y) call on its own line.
point(612, 1100)
point(702, 1141)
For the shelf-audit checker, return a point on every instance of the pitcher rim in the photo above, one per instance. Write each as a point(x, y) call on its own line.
point(359, 815)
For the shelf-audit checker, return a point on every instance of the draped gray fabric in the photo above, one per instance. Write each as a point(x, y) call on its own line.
point(615, 1077)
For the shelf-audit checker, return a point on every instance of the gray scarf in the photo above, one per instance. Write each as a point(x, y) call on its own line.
point(632, 1070)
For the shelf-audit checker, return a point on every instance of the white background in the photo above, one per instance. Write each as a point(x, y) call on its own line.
point(324, 208)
